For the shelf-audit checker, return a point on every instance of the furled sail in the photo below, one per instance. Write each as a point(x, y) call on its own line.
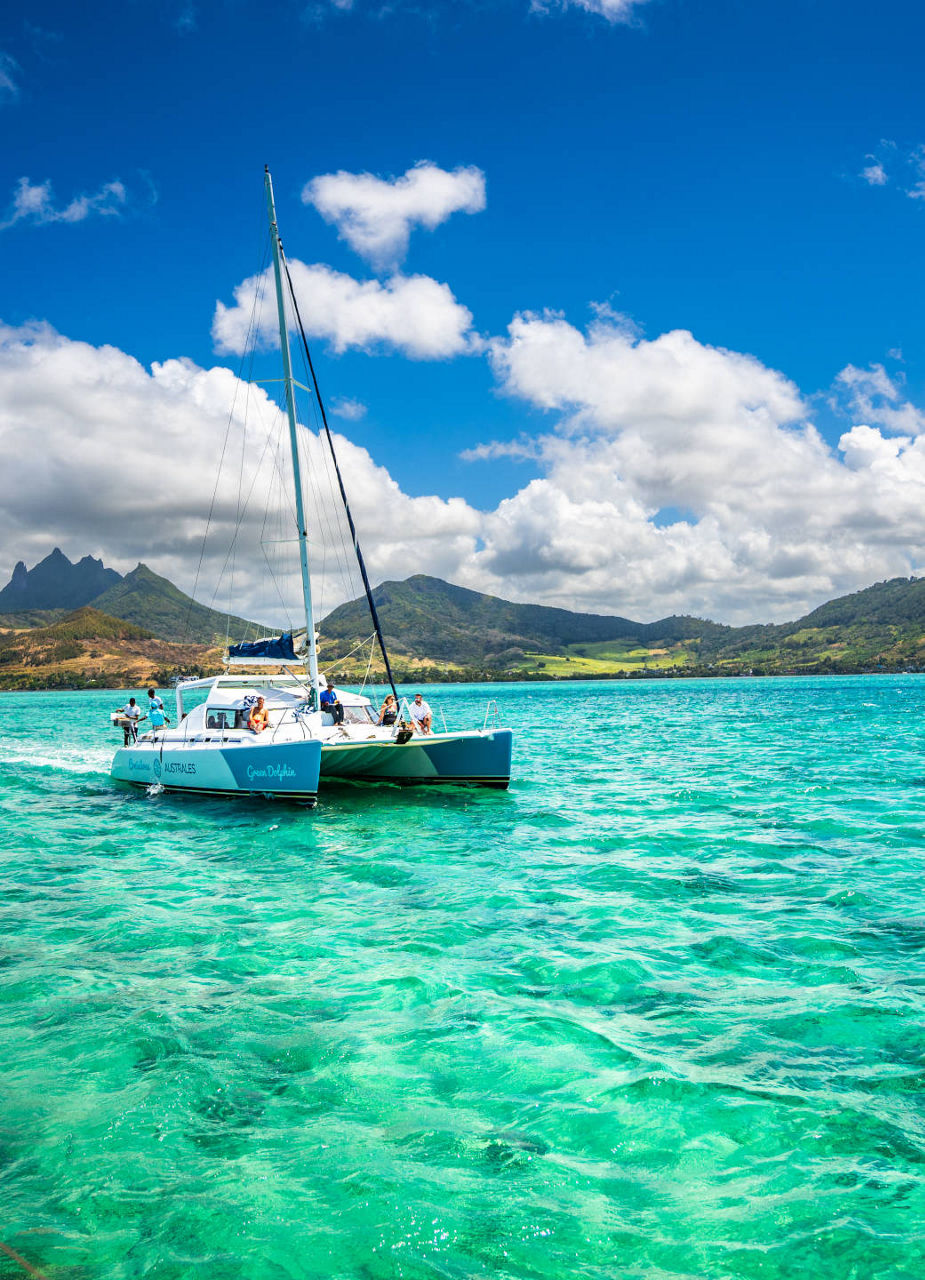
point(277, 648)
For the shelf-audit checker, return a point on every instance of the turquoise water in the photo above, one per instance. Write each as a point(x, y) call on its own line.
point(654, 1012)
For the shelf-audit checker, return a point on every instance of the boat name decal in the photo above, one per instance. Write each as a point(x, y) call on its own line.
point(179, 766)
point(136, 766)
point(277, 771)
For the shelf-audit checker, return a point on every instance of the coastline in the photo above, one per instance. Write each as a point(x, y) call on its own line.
point(425, 677)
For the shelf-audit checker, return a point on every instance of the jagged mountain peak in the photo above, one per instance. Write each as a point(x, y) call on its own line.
point(56, 583)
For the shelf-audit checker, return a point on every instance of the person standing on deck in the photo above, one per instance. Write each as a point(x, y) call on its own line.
point(156, 711)
point(131, 716)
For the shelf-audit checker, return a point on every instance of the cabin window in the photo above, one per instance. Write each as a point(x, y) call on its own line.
point(223, 718)
point(358, 715)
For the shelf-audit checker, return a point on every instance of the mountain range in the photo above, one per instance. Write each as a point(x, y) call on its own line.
point(43, 594)
point(69, 624)
point(434, 625)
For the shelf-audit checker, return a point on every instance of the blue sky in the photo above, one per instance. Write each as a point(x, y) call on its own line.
point(745, 173)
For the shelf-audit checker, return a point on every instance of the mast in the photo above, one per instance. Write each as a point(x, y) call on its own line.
point(370, 600)
point(293, 443)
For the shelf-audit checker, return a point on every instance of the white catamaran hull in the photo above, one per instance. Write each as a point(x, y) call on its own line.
point(482, 757)
point(285, 770)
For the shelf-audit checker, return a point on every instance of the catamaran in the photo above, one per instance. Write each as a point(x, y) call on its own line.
point(211, 749)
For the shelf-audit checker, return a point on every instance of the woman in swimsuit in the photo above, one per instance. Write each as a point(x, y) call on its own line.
point(259, 718)
point(389, 712)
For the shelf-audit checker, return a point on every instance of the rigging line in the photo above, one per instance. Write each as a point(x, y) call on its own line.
point(263, 548)
point(331, 535)
point(246, 353)
point(324, 505)
point(332, 512)
point(372, 649)
point(234, 539)
point(343, 492)
point(338, 541)
point(238, 518)
point(350, 652)
point(327, 509)
point(286, 496)
point(277, 485)
point(259, 293)
point(349, 577)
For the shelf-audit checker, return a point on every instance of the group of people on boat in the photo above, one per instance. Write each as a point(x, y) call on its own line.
point(258, 720)
point(421, 714)
point(131, 716)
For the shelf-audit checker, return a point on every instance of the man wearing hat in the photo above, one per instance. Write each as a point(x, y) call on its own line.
point(331, 703)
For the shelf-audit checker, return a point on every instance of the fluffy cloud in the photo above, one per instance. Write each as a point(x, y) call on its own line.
point(682, 477)
point(891, 164)
point(127, 464)
point(349, 410)
point(874, 173)
point(874, 396)
point(376, 216)
point(673, 477)
point(415, 315)
point(34, 202)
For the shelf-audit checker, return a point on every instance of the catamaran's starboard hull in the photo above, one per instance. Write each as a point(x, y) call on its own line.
point(288, 771)
point(482, 759)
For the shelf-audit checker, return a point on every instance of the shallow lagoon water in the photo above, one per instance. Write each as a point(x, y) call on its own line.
point(655, 1012)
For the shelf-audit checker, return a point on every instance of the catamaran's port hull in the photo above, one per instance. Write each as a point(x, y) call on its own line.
point(288, 771)
point(480, 759)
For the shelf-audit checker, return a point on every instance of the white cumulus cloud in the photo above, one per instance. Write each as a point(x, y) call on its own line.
point(414, 315)
point(375, 216)
point(682, 477)
point(128, 459)
point(672, 477)
point(34, 202)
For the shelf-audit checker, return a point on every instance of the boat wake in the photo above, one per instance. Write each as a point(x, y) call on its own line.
point(66, 760)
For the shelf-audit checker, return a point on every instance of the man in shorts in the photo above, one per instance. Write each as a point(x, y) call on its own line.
point(130, 717)
point(421, 714)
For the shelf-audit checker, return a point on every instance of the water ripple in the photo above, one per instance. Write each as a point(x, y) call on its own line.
point(656, 1012)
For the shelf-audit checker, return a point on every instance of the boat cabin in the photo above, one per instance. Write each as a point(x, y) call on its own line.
point(230, 698)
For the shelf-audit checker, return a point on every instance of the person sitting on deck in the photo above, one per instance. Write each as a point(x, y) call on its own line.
point(389, 712)
point(421, 714)
point(332, 704)
point(259, 718)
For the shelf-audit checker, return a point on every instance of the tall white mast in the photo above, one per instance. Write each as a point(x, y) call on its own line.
point(293, 441)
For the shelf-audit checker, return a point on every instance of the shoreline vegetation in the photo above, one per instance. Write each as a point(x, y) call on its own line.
point(82, 626)
point(118, 686)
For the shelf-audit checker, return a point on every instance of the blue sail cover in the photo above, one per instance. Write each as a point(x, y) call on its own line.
point(279, 648)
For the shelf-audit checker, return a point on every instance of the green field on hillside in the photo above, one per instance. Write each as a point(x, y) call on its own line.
point(604, 656)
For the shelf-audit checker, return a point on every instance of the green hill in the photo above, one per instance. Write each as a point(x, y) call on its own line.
point(62, 641)
point(426, 618)
point(432, 626)
point(91, 649)
point(44, 594)
point(31, 618)
point(434, 629)
point(145, 598)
